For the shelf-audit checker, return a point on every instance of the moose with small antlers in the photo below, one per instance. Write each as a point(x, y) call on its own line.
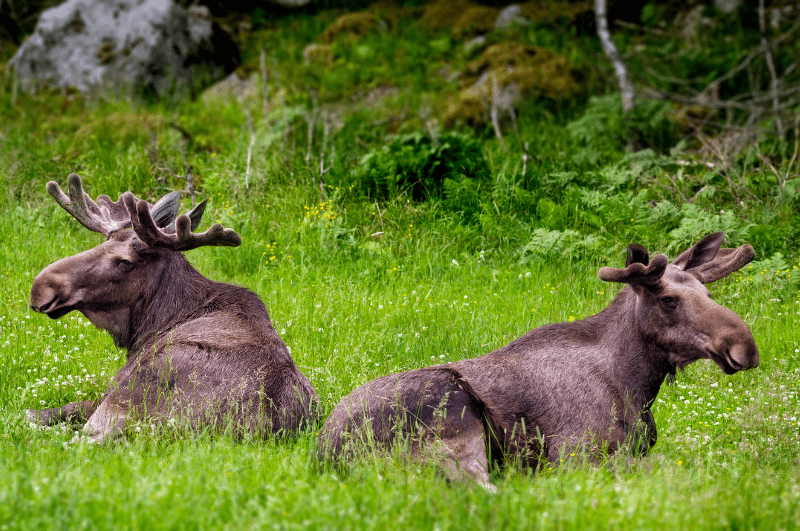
point(586, 385)
point(199, 351)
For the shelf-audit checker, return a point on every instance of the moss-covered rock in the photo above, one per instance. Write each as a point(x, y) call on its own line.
point(475, 20)
point(508, 72)
point(318, 53)
point(444, 13)
point(464, 16)
point(539, 11)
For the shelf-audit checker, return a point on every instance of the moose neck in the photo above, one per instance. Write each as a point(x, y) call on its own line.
point(633, 360)
point(176, 291)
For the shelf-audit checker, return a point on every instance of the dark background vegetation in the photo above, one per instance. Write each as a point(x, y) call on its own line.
point(378, 108)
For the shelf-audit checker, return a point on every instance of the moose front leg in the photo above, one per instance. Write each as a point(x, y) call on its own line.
point(465, 453)
point(107, 422)
point(74, 413)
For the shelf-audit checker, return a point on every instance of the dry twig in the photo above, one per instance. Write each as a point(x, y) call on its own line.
point(495, 113)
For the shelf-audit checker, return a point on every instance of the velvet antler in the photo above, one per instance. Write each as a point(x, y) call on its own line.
point(640, 270)
point(105, 216)
point(726, 262)
point(182, 239)
point(707, 262)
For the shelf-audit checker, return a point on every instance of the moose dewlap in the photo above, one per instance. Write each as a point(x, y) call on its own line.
point(585, 385)
point(200, 352)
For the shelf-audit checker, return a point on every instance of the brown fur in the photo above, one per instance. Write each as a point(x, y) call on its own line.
point(566, 387)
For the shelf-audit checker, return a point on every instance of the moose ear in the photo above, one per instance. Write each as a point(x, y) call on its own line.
point(165, 210)
point(196, 214)
point(637, 255)
point(700, 253)
point(637, 274)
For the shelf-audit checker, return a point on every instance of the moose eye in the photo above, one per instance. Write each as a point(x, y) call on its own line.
point(124, 265)
point(670, 303)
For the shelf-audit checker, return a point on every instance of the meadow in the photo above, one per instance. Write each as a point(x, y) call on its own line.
point(363, 280)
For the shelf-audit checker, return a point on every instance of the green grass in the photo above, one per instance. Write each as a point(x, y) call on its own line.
point(726, 455)
point(437, 286)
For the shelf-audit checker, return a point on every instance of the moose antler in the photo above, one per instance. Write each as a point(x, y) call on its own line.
point(726, 262)
point(707, 262)
point(183, 239)
point(640, 269)
point(105, 216)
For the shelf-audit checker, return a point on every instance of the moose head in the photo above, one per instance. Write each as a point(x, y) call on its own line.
point(675, 308)
point(105, 282)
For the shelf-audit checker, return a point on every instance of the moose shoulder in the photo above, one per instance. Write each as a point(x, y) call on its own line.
point(587, 384)
point(199, 351)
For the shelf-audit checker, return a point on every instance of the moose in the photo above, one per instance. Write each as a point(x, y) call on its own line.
point(583, 386)
point(200, 352)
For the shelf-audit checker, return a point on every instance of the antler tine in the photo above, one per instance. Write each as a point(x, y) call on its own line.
point(109, 217)
point(215, 235)
point(183, 239)
point(637, 273)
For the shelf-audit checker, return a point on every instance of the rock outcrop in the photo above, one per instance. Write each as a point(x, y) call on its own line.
point(151, 48)
point(506, 73)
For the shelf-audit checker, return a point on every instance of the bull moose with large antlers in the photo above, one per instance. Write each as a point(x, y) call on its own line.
point(199, 351)
point(587, 385)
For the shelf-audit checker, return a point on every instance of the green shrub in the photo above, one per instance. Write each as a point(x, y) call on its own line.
point(418, 165)
point(603, 129)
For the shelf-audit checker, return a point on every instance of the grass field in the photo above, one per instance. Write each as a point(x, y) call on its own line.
point(727, 451)
point(439, 284)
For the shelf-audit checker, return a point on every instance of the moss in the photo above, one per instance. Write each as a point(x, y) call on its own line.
point(125, 126)
point(475, 20)
point(7, 51)
point(465, 17)
point(689, 117)
point(520, 71)
point(539, 11)
point(445, 13)
point(246, 70)
point(352, 24)
point(318, 53)
point(105, 52)
point(391, 11)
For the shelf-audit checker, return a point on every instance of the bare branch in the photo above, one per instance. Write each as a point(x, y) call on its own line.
point(262, 63)
point(249, 151)
point(603, 33)
point(762, 28)
point(525, 158)
point(322, 170)
point(190, 184)
point(494, 113)
point(311, 120)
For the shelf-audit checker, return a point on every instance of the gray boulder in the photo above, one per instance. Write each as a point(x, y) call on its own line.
point(509, 17)
point(727, 6)
point(151, 48)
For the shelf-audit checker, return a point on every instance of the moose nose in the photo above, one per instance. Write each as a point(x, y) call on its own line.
point(42, 297)
point(745, 355)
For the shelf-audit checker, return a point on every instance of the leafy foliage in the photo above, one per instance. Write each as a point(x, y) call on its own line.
point(424, 167)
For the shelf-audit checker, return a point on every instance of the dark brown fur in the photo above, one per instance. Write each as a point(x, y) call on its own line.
point(567, 387)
